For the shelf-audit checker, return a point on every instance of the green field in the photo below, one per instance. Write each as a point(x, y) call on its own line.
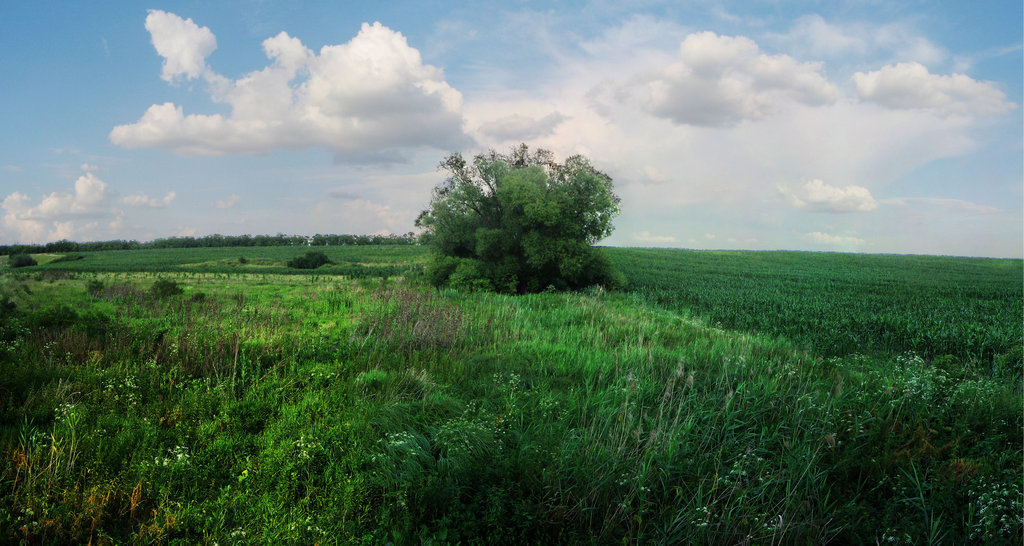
point(722, 398)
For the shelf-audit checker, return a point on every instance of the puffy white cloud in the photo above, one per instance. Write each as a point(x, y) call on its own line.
point(912, 86)
point(953, 204)
point(843, 241)
point(519, 127)
point(231, 202)
point(367, 99)
point(648, 238)
point(183, 44)
point(142, 200)
point(720, 81)
point(54, 217)
point(818, 196)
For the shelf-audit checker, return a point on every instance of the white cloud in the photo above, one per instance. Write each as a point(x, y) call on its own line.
point(231, 202)
point(655, 175)
point(813, 35)
point(55, 215)
point(519, 127)
point(818, 196)
point(912, 86)
point(719, 81)
point(952, 204)
point(89, 168)
point(359, 216)
point(649, 238)
point(182, 43)
point(367, 99)
point(142, 200)
point(828, 239)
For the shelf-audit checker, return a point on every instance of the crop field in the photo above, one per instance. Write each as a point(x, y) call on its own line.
point(216, 396)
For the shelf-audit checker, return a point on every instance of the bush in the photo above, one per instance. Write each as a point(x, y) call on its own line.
point(57, 316)
point(519, 223)
point(163, 288)
point(312, 260)
point(21, 260)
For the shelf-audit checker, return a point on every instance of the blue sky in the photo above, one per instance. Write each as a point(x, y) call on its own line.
point(849, 126)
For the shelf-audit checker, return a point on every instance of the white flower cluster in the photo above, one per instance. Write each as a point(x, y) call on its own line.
point(123, 390)
point(999, 510)
point(177, 455)
point(306, 446)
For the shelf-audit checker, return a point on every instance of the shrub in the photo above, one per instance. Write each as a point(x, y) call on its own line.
point(312, 260)
point(163, 288)
point(21, 260)
point(520, 222)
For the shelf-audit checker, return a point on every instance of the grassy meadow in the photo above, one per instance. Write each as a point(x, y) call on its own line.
point(721, 398)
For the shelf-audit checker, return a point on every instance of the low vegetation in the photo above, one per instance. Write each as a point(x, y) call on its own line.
point(21, 260)
point(310, 260)
point(264, 407)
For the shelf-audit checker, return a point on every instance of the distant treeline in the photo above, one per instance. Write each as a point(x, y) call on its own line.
point(214, 241)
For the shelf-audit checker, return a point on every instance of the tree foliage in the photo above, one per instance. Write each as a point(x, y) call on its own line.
point(311, 260)
point(520, 222)
point(21, 260)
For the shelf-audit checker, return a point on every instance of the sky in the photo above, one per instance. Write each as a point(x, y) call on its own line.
point(853, 126)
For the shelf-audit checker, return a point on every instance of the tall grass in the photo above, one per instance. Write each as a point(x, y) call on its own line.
point(300, 409)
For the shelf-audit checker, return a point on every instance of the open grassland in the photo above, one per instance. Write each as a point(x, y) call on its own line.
point(256, 407)
point(351, 261)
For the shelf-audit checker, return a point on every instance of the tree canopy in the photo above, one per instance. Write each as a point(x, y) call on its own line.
point(520, 222)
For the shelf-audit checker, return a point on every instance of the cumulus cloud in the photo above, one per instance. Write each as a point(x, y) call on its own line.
point(142, 200)
point(231, 202)
point(952, 204)
point(829, 239)
point(649, 238)
point(816, 195)
point(369, 98)
point(720, 81)
point(519, 127)
point(55, 215)
point(912, 86)
point(183, 44)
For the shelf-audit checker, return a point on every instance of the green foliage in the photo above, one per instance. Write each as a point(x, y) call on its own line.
point(839, 304)
point(69, 258)
point(318, 409)
point(353, 261)
point(311, 260)
point(165, 288)
point(21, 260)
point(519, 223)
point(95, 288)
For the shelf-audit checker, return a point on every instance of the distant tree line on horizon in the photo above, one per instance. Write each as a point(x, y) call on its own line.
point(215, 240)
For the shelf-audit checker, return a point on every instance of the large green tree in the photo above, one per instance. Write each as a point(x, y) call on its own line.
point(520, 222)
